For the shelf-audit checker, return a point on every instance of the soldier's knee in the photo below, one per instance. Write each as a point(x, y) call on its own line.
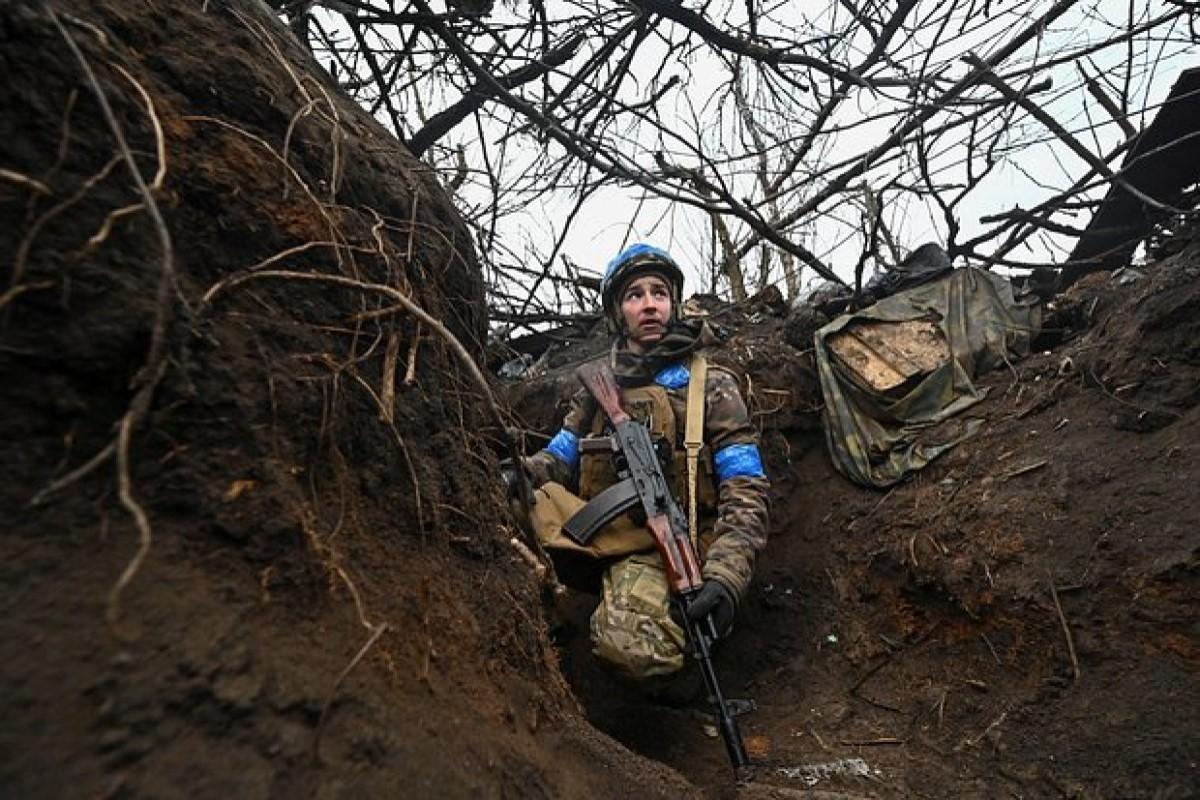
point(631, 629)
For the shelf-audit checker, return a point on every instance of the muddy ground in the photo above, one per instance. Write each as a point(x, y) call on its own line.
point(321, 598)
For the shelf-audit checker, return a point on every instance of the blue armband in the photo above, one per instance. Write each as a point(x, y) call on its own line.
point(565, 447)
point(675, 376)
point(738, 461)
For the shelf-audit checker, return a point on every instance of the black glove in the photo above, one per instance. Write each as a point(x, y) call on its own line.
point(713, 598)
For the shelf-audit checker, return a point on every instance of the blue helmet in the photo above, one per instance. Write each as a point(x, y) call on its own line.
point(635, 260)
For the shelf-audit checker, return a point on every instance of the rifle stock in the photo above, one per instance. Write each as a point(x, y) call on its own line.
point(600, 381)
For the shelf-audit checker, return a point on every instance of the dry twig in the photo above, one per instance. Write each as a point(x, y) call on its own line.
point(1063, 134)
point(991, 649)
point(971, 741)
point(1022, 470)
point(1141, 411)
point(528, 557)
point(1062, 618)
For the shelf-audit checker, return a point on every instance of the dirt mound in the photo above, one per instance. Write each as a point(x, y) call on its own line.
point(274, 586)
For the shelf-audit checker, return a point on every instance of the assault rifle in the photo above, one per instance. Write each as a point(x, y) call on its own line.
point(669, 527)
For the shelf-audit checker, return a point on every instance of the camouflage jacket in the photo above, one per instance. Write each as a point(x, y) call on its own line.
point(739, 530)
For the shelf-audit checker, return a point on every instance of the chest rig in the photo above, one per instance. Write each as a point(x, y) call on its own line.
point(662, 411)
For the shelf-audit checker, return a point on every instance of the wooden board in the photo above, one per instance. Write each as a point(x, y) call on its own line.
point(887, 355)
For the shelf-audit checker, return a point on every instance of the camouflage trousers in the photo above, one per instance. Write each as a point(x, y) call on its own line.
point(631, 629)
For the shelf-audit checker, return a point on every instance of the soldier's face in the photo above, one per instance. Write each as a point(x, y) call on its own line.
point(646, 308)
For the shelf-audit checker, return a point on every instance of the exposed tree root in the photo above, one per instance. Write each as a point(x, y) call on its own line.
point(16, 291)
point(456, 347)
point(376, 632)
point(31, 235)
point(74, 475)
point(32, 184)
point(151, 373)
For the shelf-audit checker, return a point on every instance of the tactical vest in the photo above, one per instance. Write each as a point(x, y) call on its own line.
point(662, 411)
point(654, 407)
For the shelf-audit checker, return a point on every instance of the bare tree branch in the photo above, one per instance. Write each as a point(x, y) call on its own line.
point(442, 122)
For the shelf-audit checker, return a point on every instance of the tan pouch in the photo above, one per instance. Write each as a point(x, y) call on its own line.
point(554, 504)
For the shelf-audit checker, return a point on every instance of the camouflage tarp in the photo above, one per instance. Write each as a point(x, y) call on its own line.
point(877, 438)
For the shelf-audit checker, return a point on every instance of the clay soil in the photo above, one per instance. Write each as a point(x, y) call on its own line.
point(294, 576)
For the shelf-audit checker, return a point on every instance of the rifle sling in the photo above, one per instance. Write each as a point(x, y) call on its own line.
point(694, 436)
point(601, 510)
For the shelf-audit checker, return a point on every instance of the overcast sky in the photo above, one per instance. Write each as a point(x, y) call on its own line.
point(1036, 167)
point(614, 217)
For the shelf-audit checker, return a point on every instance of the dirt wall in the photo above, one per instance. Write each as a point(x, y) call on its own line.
point(238, 551)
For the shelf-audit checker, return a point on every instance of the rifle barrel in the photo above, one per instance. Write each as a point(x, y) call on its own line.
point(727, 723)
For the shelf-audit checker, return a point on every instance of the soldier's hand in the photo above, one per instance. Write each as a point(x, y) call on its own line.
point(713, 598)
point(510, 477)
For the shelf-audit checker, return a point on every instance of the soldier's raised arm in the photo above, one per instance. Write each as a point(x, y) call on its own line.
point(743, 506)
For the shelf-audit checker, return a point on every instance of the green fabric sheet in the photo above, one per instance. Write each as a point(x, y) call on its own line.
point(877, 439)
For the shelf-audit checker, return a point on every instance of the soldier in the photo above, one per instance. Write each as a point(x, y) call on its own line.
point(655, 356)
